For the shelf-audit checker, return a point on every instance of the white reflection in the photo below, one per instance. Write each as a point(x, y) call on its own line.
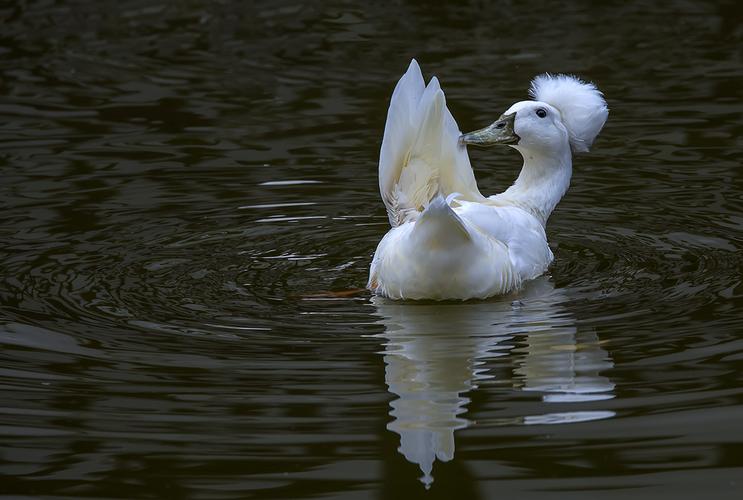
point(435, 353)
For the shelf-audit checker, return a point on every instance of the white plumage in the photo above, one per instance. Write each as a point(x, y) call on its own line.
point(419, 154)
point(447, 240)
point(582, 106)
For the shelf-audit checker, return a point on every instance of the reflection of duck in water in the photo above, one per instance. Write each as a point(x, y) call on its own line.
point(436, 353)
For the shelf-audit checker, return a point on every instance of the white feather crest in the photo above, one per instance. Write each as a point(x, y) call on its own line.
point(581, 105)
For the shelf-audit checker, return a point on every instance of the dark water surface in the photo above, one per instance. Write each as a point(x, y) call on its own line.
point(178, 180)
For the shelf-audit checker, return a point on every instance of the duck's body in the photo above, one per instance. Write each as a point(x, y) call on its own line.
point(473, 250)
point(447, 240)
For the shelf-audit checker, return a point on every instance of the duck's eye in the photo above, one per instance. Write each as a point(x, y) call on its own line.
point(541, 112)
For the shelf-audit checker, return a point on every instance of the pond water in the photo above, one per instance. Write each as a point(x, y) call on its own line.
point(182, 183)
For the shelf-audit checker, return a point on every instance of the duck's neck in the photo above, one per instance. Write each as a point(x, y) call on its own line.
point(544, 179)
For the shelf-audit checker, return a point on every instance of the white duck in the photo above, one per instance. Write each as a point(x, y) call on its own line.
point(447, 240)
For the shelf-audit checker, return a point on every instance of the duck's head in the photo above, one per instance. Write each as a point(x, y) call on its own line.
point(565, 112)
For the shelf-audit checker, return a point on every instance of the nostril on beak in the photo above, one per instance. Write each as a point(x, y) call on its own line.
point(500, 124)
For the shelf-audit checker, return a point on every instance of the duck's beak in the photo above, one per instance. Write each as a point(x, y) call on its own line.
point(500, 132)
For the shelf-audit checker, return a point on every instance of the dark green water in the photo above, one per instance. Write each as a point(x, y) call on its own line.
point(177, 179)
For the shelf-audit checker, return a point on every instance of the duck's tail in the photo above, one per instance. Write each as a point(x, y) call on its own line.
point(420, 155)
point(439, 227)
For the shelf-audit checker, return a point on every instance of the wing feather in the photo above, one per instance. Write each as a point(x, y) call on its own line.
point(420, 154)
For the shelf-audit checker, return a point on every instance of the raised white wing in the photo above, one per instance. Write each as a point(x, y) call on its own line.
point(420, 154)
